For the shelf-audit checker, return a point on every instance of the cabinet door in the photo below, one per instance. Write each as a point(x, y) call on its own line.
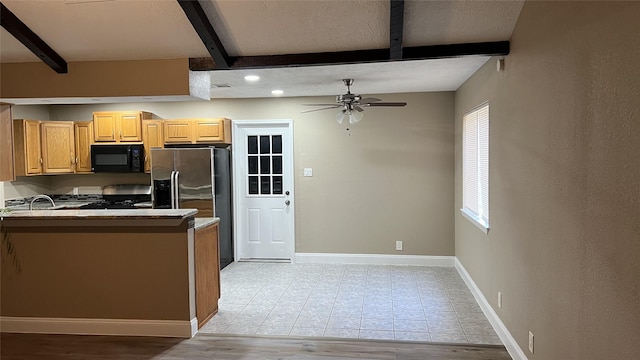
point(104, 126)
point(152, 137)
point(26, 147)
point(129, 126)
point(177, 132)
point(33, 154)
point(84, 139)
point(7, 172)
point(207, 272)
point(58, 147)
point(208, 130)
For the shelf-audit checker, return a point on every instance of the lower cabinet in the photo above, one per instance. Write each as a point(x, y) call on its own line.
point(207, 271)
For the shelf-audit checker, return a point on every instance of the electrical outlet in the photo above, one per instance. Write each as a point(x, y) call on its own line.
point(499, 299)
point(75, 190)
point(399, 245)
point(530, 342)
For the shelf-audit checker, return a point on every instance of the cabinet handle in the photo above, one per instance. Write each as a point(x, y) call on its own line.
point(40, 160)
point(76, 160)
point(113, 134)
point(120, 134)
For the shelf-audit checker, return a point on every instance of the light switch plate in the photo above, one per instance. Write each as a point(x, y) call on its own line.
point(308, 172)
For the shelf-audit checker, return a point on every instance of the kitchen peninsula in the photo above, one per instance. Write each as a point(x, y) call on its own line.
point(120, 272)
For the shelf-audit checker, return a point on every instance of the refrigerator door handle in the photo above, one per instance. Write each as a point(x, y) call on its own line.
point(176, 190)
point(173, 184)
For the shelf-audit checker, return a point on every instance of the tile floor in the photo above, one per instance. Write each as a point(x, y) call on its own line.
point(409, 303)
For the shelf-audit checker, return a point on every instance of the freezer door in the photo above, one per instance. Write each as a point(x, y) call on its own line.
point(195, 180)
point(162, 166)
point(223, 210)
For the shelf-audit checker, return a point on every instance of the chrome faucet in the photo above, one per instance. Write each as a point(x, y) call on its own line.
point(40, 197)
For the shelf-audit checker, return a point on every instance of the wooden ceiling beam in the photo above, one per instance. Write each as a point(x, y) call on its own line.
point(31, 40)
point(496, 48)
point(203, 27)
point(396, 26)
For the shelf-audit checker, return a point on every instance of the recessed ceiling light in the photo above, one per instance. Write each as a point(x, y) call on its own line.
point(252, 78)
point(277, 92)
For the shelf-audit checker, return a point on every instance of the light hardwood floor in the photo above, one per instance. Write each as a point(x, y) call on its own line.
point(207, 346)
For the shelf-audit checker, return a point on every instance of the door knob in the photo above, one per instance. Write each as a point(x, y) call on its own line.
point(287, 202)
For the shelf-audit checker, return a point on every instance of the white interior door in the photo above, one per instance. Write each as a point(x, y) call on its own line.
point(263, 192)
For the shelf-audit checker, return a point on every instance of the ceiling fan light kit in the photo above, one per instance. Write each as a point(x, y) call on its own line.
point(353, 117)
point(352, 105)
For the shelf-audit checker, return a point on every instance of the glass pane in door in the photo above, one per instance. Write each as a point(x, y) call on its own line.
point(265, 159)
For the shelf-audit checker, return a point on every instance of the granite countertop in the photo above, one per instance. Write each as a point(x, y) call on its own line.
point(205, 221)
point(100, 214)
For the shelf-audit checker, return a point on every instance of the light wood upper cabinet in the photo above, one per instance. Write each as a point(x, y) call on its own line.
point(28, 157)
point(177, 131)
point(44, 147)
point(208, 130)
point(104, 126)
point(197, 131)
point(84, 139)
point(152, 137)
point(7, 171)
point(130, 125)
point(118, 126)
point(58, 147)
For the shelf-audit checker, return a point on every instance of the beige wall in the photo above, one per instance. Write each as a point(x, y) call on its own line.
point(564, 243)
point(392, 179)
point(96, 78)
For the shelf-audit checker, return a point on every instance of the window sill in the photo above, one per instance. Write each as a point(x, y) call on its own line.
point(475, 220)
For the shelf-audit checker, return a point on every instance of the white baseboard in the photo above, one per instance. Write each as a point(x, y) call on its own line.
point(374, 259)
point(164, 328)
point(505, 336)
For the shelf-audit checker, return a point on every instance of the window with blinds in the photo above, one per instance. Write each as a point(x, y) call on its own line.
point(475, 170)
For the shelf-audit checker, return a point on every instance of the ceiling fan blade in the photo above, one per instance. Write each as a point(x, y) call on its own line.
point(334, 104)
point(387, 104)
point(369, 100)
point(357, 107)
point(325, 108)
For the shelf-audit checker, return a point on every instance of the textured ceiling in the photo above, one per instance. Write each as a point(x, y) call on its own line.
point(89, 30)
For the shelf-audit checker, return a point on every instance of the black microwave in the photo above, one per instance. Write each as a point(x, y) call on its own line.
point(117, 158)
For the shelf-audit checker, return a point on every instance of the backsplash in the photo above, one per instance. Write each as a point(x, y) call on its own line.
point(25, 187)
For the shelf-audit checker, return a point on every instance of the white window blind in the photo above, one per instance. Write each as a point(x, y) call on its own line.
point(475, 172)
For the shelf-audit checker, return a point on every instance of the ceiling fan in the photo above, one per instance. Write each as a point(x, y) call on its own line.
point(349, 102)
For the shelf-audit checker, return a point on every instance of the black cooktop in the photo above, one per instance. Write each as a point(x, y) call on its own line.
point(104, 204)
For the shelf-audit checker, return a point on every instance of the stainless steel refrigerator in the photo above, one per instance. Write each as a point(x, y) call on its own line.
point(197, 178)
